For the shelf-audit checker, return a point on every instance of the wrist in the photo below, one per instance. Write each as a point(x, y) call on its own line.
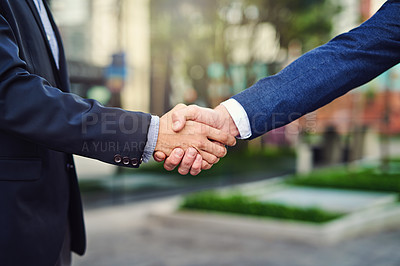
point(152, 138)
point(226, 121)
point(162, 126)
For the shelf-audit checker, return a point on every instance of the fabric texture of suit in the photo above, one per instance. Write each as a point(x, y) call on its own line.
point(325, 73)
point(41, 125)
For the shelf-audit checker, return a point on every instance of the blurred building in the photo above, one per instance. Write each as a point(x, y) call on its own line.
point(95, 30)
point(376, 104)
point(94, 33)
point(348, 18)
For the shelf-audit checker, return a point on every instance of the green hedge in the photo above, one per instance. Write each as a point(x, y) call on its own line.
point(360, 180)
point(239, 204)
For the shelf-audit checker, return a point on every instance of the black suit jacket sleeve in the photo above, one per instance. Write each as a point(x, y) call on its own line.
point(32, 109)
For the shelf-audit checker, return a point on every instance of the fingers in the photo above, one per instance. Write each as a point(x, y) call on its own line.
point(221, 137)
point(212, 148)
point(205, 165)
point(209, 157)
point(197, 165)
point(159, 156)
point(192, 162)
point(179, 106)
point(187, 161)
point(174, 159)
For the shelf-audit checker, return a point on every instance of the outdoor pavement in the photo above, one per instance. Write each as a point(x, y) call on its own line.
point(124, 236)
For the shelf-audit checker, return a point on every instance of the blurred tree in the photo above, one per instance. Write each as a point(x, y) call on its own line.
point(183, 33)
point(188, 35)
point(309, 21)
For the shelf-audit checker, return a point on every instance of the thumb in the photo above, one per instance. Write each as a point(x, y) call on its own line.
point(180, 116)
point(159, 156)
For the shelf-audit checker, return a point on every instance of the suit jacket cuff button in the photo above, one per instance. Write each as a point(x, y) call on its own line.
point(126, 160)
point(117, 158)
point(135, 162)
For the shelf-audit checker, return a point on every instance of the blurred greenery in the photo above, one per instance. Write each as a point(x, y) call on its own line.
point(237, 167)
point(189, 35)
point(239, 204)
point(239, 162)
point(307, 21)
point(360, 179)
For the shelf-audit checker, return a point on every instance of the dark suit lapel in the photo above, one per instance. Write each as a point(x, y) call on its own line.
point(44, 35)
point(37, 17)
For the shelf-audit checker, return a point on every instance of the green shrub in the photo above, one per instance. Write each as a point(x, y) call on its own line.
point(239, 204)
point(360, 180)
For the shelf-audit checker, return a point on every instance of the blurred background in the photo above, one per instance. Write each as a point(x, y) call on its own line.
point(149, 55)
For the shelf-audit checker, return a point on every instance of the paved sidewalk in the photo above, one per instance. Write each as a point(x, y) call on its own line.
point(123, 236)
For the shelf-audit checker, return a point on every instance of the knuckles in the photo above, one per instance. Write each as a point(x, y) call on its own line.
point(221, 152)
point(183, 171)
point(214, 160)
point(225, 139)
point(193, 108)
point(180, 106)
point(201, 144)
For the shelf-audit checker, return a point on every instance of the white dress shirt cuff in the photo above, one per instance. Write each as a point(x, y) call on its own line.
point(239, 116)
point(152, 137)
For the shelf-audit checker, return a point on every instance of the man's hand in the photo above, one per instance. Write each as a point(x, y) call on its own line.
point(198, 140)
point(218, 118)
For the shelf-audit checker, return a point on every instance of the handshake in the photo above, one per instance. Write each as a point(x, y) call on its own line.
point(194, 138)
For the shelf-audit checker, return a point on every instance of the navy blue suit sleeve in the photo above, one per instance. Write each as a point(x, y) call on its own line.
point(32, 109)
point(325, 73)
